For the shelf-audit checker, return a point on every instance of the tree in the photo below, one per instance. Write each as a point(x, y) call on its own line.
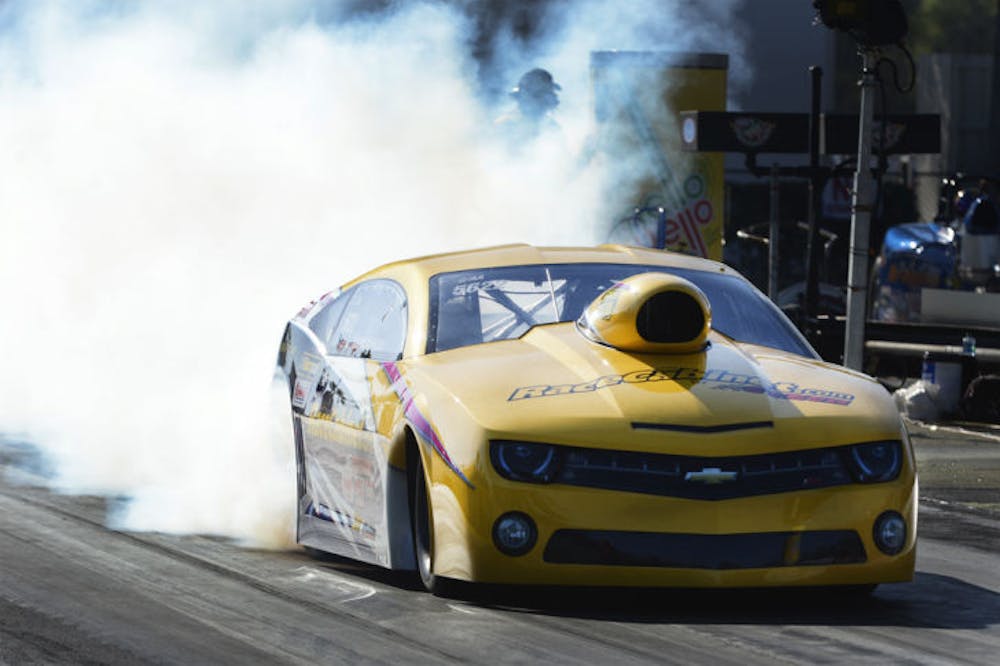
point(947, 26)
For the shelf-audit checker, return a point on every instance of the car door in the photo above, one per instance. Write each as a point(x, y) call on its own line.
point(344, 457)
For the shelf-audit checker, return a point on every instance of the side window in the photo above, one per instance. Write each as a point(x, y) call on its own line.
point(323, 322)
point(374, 323)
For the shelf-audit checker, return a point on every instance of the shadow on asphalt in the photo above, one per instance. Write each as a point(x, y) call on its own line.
point(930, 601)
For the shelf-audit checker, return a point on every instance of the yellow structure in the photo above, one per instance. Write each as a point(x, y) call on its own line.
point(637, 96)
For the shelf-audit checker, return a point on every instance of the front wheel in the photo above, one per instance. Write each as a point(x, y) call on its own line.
point(423, 539)
point(422, 520)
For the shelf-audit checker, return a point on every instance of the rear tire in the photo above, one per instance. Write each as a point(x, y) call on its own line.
point(283, 429)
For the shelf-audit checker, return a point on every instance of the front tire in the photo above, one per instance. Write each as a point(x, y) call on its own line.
point(421, 523)
point(423, 536)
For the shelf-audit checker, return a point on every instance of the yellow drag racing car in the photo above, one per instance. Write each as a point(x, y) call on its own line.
point(589, 416)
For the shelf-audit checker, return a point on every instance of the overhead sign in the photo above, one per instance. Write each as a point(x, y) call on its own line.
point(729, 132)
point(747, 132)
point(904, 134)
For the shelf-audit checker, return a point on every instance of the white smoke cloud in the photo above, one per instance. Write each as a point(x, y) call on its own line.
point(177, 179)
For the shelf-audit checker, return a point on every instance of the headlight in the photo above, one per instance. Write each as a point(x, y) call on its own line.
point(876, 461)
point(525, 461)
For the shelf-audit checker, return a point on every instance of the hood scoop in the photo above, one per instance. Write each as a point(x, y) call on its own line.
point(651, 313)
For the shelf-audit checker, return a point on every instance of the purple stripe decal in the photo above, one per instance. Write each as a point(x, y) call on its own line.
point(417, 419)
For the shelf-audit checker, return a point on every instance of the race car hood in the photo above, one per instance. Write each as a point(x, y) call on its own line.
point(554, 385)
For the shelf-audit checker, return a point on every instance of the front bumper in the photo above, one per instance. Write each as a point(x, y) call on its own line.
point(601, 537)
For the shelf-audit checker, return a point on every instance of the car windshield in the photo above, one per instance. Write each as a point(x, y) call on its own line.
point(490, 304)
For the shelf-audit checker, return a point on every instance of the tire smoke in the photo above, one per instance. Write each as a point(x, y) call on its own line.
point(176, 181)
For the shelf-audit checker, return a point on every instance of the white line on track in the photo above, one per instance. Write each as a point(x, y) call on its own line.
point(461, 609)
point(353, 591)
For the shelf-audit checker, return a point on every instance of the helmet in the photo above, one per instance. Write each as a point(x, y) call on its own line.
point(535, 83)
point(536, 94)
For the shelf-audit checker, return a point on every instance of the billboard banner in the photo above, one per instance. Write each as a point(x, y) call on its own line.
point(656, 193)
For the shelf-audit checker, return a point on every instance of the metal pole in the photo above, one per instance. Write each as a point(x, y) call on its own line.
point(861, 211)
point(812, 245)
point(773, 239)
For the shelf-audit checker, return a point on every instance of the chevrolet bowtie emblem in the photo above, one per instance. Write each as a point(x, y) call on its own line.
point(711, 475)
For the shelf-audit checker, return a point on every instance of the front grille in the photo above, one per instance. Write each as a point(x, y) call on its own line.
point(705, 551)
point(704, 478)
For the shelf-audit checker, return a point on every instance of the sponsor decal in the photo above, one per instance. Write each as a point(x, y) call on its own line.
point(893, 133)
point(685, 221)
point(722, 380)
point(687, 216)
point(752, 132)
point(299, 394)
point(473, 284)
point(341, 518)
point(309, 366)
point(349, 438)
point(419, 422)
point(792, 391)
point(711, 476)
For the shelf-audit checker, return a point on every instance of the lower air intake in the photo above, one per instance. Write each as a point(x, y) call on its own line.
point(705, 551)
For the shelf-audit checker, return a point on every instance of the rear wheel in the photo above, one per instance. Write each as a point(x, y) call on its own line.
point(282, 430)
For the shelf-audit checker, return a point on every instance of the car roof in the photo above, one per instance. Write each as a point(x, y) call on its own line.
point(421, 268)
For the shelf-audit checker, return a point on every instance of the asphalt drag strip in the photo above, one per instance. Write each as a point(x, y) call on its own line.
point(74, 591)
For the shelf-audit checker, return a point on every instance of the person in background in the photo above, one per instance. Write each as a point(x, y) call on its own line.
point(536, 97)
